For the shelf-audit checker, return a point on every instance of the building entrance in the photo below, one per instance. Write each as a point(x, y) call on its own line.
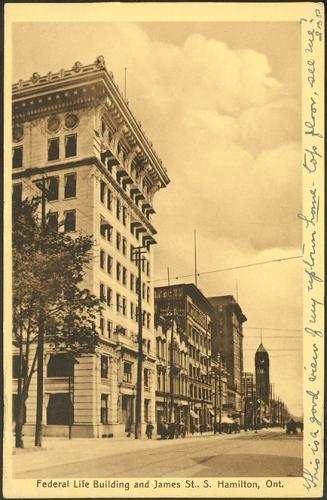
point(127, 412)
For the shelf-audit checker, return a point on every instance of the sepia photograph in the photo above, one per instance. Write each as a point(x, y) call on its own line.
point(164, 328)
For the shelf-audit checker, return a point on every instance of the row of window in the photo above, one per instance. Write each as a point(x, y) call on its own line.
point(106, 264)
point(198, 338)
point(53, 150)
point(106, 231)
point(106, 297)
point(200, 392)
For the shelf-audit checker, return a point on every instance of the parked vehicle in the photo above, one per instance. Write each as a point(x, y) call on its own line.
point(291, 427)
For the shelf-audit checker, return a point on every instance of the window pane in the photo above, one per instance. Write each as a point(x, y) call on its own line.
point(17, 194)
point(70, 221)
point(102, 191)
point(53, 149)
point(60, 366)
point(60, 410)
point(53, 220)
point(53, 188)
point(17, 157)
point(70, 185)
point(70, 145)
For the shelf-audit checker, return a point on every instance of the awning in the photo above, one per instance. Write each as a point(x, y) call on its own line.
point(193, 414)
point(266, 420)
point(226, 420)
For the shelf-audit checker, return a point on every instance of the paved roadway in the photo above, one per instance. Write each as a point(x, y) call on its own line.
point(267, 453)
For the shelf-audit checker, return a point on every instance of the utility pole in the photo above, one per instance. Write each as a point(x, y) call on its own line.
point(137, 257)
point(171, 360)
point(220, 399)
point(40, 342)
point(215, 409)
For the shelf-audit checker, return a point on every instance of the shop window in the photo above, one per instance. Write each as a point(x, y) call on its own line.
point(70, 185)
point(70, 221)
point(17, 194)
point(53, 149)
point(59, 411)
point(60, 366)
point(104, 408)
point(53, 188)
point(104, 367)
point(70, 145)
point(17, 157)
point(127, 374)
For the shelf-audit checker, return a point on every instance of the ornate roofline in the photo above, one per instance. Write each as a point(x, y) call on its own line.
point(38, 85)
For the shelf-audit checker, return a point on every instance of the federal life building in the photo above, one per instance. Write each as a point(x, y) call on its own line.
point(76, 128)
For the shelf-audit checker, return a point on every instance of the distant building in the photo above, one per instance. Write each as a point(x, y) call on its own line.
point(262, 374)
point(192, 313)
point(75, 128)
point(249, 399)
point(227, 338)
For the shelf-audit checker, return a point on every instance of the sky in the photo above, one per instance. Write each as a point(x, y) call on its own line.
point(221, 104)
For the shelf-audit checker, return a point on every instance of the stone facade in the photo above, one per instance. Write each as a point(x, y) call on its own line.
point(76, 129)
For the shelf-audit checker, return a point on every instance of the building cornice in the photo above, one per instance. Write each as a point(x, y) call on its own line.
point(96, 83)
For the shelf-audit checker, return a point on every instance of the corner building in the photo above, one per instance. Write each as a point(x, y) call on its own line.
point(76, 129)
point(192, 313)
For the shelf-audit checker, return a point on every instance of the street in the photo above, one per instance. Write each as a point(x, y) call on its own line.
point(269, 453)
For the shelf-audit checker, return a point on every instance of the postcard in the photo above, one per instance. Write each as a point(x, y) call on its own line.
point(164, 242)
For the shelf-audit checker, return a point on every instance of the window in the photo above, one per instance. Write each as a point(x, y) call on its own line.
point(109, 264)
point(102, 258)
point(137, 285)
point(109, 329)
point(104, 409)
point(132, 310)
point(105, 229)
point(16, 366)
point(124, 216)
point(104, 367)
point(53, 188)
point(124, 276)
point(70, 221)
point(53, 221)
point(60, 409)
point(118, 271)
point(148, 294)
point(109, 297)
point(143, 317)
point(60, 366)
point(124, 306)
point(102, 295)
point(70, 185)
point(70, 145)
point(146, 377)
point(124, 246)
point(15, 409)
point(148, 268)
point(143, 291)
point(109, 199)
point(118, 303)
point(127, 374)
point(17, 193)
point(53, 149)
point(148, 320)
point(17, 157)
point(102, 326)
point(143, 264)
point(118, 240)
point(146, 410)
point(118, 209)
point(102, 191)
point(132, 282)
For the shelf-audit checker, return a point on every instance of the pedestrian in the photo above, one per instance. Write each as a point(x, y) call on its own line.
point(149, 430)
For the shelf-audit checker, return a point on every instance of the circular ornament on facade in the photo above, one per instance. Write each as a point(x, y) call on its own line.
point(71, 121)
point(53, 123)
point(17, 133)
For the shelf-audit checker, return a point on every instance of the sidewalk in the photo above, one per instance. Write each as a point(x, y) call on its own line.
point(60, 451)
